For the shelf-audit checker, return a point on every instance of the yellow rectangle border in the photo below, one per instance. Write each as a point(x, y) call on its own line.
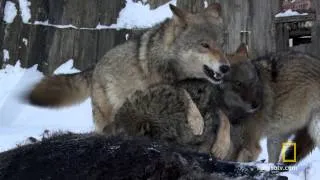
point(283, 152)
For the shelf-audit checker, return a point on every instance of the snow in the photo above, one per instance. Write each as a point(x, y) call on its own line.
point(130, 16)
point(6, 55)
point(25, 41)
point(205, 4)
point(127, 36)
point(24, 120)
point(25, 10)
point(100, 26)
point(10, 12)
point(309, 167)
point(289, 12)
point(46, 23)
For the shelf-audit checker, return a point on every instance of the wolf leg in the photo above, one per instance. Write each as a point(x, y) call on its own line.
point(275, 146)
point(101, 108)
point(195, 119)
point(222, 143)
point(251, 133)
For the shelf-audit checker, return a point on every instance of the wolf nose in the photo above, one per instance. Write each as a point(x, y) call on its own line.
point(224, 69)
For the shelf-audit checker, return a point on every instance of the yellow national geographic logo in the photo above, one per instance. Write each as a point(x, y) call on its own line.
point(285, 146)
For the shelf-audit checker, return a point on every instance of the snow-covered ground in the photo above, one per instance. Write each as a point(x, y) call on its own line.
point(19, 120)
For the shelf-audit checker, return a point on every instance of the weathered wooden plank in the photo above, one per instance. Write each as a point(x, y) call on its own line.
point(109, 10)
point(85, 48)
point(2, 28)
point(261, 17)
point(108, 39)
point(11, 39)
point(156, 3)
point(313, 47)
point(191, 5)
point(308, 17)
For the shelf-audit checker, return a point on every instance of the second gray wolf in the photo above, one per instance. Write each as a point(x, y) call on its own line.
point(291, 102)
point(185, 46)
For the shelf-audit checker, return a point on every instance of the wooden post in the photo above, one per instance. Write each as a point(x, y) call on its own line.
point(191, 5)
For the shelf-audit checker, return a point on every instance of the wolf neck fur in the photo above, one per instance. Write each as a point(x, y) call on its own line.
point(155, 47)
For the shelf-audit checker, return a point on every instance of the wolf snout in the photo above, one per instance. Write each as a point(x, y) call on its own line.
point(224, 68)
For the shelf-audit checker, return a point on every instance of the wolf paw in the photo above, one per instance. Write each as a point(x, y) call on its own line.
point(222, 143)
point(194, 117)
point(246, 155)
point(196, 124)
point(219, 151)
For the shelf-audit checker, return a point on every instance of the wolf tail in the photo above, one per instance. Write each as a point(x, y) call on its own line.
point(61, 90)
point(304, 146)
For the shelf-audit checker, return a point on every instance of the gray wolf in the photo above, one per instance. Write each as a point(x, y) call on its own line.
point(186, 46)
point(291, 102)
point(161, 112)
point(93, 156)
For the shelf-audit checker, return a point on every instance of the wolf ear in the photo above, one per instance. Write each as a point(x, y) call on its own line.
point(179, 15)
point(242, 50)
point(214, 10)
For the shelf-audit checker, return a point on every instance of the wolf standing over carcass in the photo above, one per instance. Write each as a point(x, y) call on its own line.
point(186, 46)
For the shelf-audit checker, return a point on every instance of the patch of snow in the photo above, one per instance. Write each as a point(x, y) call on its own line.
point(153, 149)
point(205, 4)
point(312, 172)
point(114, 147)
point(308, 167)
point(99, 26)
point(66, 67)
point(25, 41)
point(25, 10)
point(289, 12)
point(10, 12)
point(19, 120)
point(6, 55)
point(46, 23)
point(131, 16)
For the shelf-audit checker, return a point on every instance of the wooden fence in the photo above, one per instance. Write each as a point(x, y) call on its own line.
point(249, 21)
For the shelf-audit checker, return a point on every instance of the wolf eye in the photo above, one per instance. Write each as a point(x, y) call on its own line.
point(205, 45)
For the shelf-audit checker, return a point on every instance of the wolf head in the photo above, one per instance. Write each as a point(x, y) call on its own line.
point(196, 40)
point(242, 86)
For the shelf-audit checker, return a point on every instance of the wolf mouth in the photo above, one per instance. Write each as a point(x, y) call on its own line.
point(217, 77)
